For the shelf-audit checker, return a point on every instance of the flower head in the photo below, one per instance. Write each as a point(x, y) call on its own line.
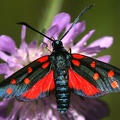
point(46, 108)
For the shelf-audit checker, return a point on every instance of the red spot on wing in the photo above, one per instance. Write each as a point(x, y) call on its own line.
point(93, 64)
point(111, 73)
point(9, 91)
point(45, 65)
point(96, 76)
point(78, 56)
point(13, 81)
point(43, 85)
point(76, 62)
point(29, 69)
point(114, 84)
point(42, 59)
point(26, 81)
point(79, 83)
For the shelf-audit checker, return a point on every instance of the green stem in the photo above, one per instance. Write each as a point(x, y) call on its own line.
point(53, 7)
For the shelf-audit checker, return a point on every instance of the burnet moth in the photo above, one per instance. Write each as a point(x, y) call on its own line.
point(61, 72)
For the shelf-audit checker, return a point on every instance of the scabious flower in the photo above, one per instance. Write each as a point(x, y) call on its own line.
point(45, 109)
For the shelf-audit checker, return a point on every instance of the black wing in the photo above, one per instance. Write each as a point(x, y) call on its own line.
point(29, 83)
point(92, 78)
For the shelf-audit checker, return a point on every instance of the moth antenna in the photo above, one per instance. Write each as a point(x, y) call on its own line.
point(77, 19)
point(27, 25)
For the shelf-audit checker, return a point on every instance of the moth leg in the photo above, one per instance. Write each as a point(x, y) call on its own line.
point(46, 46)
point(69, 50)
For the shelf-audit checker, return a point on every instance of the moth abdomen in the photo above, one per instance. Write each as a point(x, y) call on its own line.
point(62, 95)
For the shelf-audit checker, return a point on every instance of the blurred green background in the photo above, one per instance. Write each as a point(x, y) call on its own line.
point(104, 17)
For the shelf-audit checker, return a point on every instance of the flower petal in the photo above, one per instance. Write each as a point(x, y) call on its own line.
point(34, 53)
point(14, 113)
point(33, 44)
point(23, 33)
point(83, 41)
point(13, 64)
point(88, 107)
point(61, 20)
point(91, 51)
point(104, 42)
point(24, 45)
point(74, 32)
point(7, 44)
point(50, 33)
point(4, 107)
point(4, 69)
point(23, 49)
point(105, 58)
point(4, 56)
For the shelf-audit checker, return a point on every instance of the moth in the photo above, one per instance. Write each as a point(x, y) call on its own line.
point(61, 72)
